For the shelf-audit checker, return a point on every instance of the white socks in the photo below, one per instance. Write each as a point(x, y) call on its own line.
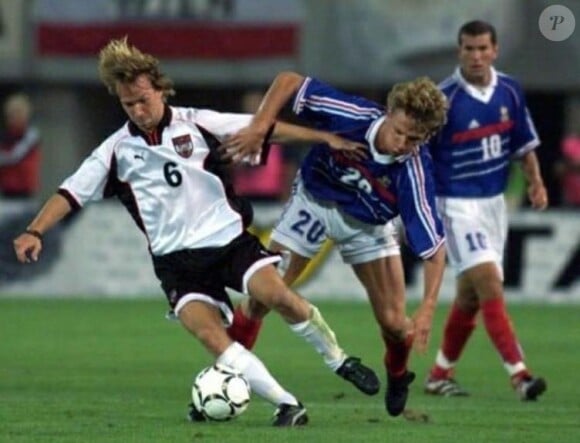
point(442, 361)
point(260, 379)
point(316, 332)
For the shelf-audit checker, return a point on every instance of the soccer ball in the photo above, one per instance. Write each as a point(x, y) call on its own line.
point(220, 393)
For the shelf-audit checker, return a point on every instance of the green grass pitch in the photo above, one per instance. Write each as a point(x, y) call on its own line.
point(117, 371)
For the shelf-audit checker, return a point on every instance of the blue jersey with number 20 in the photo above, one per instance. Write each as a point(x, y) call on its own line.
point(378, 188)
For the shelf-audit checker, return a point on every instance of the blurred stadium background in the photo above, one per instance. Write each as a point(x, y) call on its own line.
point(217, 51)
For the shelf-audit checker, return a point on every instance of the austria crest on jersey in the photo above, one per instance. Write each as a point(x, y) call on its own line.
point(183, 145)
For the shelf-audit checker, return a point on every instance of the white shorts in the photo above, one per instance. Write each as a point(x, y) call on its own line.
point(306, 223)
point(476, 230)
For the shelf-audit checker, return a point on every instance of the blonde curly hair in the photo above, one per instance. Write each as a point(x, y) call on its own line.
point(421, 100)
point(121, 62)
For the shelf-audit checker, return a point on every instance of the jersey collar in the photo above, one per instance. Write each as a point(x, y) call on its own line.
point(371, 136)
point(153, 138)
point(482, 94)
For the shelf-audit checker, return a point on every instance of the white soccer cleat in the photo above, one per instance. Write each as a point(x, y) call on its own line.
point(444, 387)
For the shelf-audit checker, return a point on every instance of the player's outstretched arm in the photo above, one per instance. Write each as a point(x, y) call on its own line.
point(239, 147)
point(249, 141)
point(423, 318)
point(28, 245)
point(289, 133)
point(282, 89)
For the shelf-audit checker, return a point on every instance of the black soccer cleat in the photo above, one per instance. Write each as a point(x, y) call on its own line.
point(362, 377)
point(290, 415)
point(530, 388)
point(194, 415)
point(397, 392)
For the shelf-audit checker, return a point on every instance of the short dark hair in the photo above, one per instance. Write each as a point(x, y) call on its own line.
point(475, 28)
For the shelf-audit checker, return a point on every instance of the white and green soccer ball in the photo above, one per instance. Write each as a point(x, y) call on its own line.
point(220, 392)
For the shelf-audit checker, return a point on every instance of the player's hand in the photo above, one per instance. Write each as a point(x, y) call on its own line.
point(422, 320)
point(243, 145)
point(27, 248)
point(538, 196)
point(354, 150)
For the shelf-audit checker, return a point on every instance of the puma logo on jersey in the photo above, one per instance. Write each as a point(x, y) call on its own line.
point(138, 156)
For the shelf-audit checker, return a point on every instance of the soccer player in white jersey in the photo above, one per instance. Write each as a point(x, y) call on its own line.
point(353, 201)
point(164, 166)
point(488, 125)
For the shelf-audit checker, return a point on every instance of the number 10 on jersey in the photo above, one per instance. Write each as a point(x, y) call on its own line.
point(491, 147)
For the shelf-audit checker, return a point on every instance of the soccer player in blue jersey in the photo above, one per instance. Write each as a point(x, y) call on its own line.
point(353, 202)
point(488, 125)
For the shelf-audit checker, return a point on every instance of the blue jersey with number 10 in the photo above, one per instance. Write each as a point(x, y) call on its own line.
point(485, 129)
point(378, 188)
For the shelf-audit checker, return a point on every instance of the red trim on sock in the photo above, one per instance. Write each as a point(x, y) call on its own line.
point(244, 330)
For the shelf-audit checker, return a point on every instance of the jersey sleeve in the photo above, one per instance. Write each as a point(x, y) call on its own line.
point(88, 182)
point(333, 110)
point(524, 135)
point(221, 124)
point(423, 227)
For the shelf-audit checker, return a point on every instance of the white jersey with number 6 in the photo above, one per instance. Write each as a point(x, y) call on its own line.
point(171, 181)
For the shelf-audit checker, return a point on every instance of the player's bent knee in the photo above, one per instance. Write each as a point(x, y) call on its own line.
point(467, 303)
point(268, 289)
point(394, 328)
point(395, 335)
